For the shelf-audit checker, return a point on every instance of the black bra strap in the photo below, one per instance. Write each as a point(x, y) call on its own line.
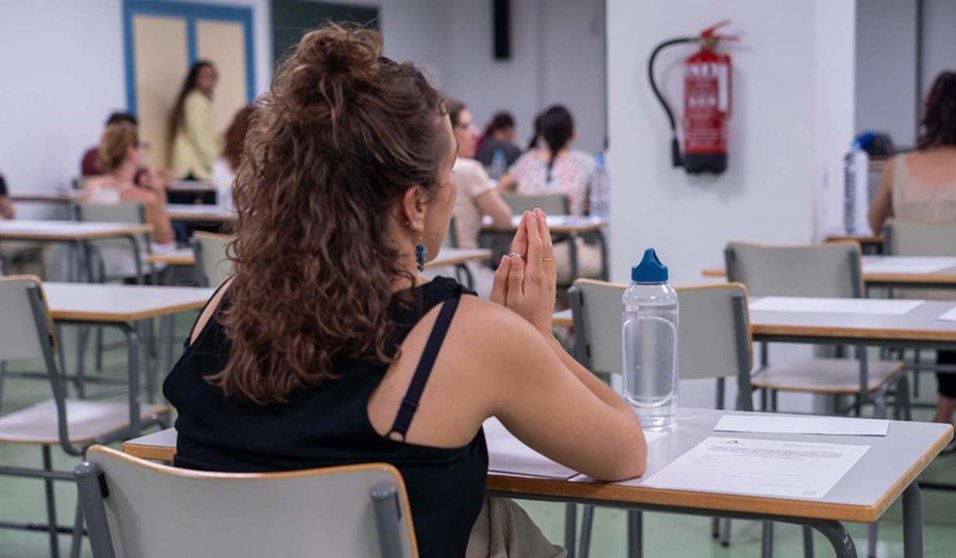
point(417, 386)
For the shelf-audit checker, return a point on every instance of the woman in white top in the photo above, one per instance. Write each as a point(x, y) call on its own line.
point(554, 167)
point(225, 167)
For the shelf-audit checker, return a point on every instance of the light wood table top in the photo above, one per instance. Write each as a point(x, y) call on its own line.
point(920, 325)
point(447, 257)
point(560, 224)
point(48, 197)
point(105, 302)
point(863, 495)
point(863, 239)
point(179, 256)
point(67, 231)
point(199, 213)
point(873, 277)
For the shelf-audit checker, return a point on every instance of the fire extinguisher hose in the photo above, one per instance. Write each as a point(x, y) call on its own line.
point(676, 158)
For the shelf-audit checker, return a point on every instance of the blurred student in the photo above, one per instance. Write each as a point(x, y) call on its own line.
point(227, 164)
point(122, 156)
point(6, 205)
point(921, 187)
point(192, 125)
point(90, 164)
point(499, 136)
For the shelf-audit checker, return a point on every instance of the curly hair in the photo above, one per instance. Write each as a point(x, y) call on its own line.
point(235, 136)
point(343, 133)
point(938, 126)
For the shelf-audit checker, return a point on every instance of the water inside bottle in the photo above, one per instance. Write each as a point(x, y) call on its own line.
point(650, 362)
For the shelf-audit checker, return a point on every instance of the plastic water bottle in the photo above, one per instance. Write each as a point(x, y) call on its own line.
point(600, 189)
point(856, 165)
point(224, 195)
point(650, 344)
point(499, 164)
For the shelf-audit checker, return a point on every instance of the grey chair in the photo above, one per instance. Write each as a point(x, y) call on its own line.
point(827, 270)
point(551, 204)
point(713, 342)
point(137, 251)
point(140, 508)
point(906, 238)
point(27, 334)
point(213, 265)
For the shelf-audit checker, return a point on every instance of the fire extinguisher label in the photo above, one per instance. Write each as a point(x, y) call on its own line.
point(706, 102)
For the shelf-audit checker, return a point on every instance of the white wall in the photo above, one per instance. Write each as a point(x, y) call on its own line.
point(792, 113)
point(939, 39)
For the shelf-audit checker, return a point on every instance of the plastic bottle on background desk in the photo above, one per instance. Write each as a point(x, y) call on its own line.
point(650, 344)
point(499, 164)
point(600, 189)
point(856, 165)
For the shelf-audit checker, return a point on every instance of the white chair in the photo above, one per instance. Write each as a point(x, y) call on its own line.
point(27, 334)
point(213, 265)
point(137, 508)
point(127, 256)
point(713, 342)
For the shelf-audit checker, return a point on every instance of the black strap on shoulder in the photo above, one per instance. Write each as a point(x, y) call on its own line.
point(417, 386)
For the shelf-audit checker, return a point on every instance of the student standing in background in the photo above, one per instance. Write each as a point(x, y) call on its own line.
point(921, 187)
point(499, 136)
point(192, 125)
point(6, 206)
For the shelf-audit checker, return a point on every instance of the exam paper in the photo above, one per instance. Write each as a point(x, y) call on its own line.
point(766, 468)
point(948, 316)
point(507, 454)
point(835, 305)
point(837, 426)
point(906, 264)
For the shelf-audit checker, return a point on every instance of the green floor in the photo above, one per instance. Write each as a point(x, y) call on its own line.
point(664, 534)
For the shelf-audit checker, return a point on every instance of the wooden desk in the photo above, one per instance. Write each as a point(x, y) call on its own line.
point(869, 244)
point(887, 471)
point(447, 257)
point(199, 213)
point(121, 306)
point(67, 231)
point(941, 279)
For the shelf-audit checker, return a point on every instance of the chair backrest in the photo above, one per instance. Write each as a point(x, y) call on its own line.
point(904, 238)
point(451, 239)
point(713, 329)
point(139, 508)
point(551, 204)
point(112, 213)
point(212, 263)
point(813, 270)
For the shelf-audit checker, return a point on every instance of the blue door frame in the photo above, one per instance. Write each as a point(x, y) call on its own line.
point(191, 13)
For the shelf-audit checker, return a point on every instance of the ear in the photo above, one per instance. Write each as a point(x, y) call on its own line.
point(413, 209)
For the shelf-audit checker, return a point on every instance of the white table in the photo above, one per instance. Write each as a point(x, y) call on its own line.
point(122, 306)
point(199, 213)
point(887, 471)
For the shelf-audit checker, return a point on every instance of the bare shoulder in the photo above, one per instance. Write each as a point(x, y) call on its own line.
point(491, 329)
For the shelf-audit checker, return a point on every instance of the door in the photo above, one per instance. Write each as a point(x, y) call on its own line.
point(163, 39)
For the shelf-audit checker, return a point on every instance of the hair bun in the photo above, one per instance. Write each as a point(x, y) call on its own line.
point(333, 58)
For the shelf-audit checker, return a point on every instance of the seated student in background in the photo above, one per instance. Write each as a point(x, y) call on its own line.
point(122, 156)
point(90, 164)
point(921, 187)
point(499, 136)
point(226, 165)
point(6, 205)
point(477, 195)
point(305, 357)
point(554, 167)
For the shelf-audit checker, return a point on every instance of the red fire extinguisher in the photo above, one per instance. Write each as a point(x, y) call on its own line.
point(707, 103)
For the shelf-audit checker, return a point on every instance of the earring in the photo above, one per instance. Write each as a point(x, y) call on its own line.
point(421, 252)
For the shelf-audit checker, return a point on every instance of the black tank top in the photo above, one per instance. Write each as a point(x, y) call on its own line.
point(328, 425)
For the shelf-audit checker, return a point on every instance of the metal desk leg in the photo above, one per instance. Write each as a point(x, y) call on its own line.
point(766, 540)
point(573, 257)
point(570, 528)
point(635, 533)
point(836, 533)
point(912, 522)
point(133, 348)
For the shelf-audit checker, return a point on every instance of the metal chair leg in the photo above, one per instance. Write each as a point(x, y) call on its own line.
point(77, 544)
point(635, 534)
point(3, 374)
point(570, 528)
point(50, 504)
point(725, 532)
point(99, 348)
point(807, 542)
point(871, 540)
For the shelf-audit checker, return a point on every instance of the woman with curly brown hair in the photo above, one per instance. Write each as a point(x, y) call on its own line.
point(921, 187)
point(327, 347)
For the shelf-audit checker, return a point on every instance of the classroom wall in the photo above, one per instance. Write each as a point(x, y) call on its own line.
point(792, 113)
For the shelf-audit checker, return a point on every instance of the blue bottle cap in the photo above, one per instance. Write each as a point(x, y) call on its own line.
point(650, 270)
